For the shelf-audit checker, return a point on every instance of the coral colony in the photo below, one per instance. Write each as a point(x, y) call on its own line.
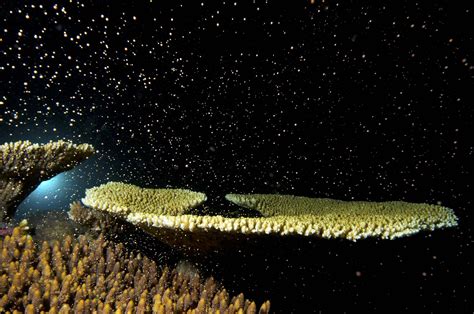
point(23, 166)
point(91, 274)
point(316, 154)
point(97, 276)
point(281, 214)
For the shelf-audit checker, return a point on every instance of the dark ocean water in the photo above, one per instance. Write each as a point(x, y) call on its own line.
point(353, 100)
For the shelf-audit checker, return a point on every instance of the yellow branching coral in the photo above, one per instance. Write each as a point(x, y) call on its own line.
point(121, 198)
point(349, 219)
point(98, 276)
point(23, 165)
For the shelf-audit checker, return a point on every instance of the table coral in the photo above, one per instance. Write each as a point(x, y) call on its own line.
point(282, 215)
point(122, 198)
point(23, 166)
point(353, 220)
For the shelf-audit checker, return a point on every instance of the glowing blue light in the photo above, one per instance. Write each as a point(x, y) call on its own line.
point(53, 194)
point(49, 187)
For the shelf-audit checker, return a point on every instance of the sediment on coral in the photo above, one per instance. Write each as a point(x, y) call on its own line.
point(23, 165)
point(87, 276)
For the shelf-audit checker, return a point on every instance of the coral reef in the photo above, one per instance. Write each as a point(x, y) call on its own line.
point(94, 219)
point(96, 276)
point(121, 198)
point(24, 165)
point(349, 219)
point(8, 230)
point(284, 215)
point(199, 241)
point(50, 224)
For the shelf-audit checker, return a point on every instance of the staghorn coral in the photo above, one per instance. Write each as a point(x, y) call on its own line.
point(97, 276)
point(24, 165)
point(121, 198)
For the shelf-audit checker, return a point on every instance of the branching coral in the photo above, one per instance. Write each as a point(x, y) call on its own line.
point(24, 165)
point(121, 198)
point(90, 276)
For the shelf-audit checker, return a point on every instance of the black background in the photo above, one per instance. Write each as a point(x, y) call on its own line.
point(366, 100)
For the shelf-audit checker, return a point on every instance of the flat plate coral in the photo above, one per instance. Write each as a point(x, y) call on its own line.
point(23, 165)
point(124, 199)
point(282, 215)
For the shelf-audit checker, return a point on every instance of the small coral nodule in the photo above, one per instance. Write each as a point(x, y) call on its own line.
point(23, 165)
point(96, 276)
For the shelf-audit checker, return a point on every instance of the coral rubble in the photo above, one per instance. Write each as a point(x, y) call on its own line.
point(24, 165)
point(122, 198)
point(96, 276)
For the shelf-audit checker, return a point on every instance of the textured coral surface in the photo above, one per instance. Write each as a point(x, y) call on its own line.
point(24, 165)
point(127, 198)
point(97, 276)
point(349, 219)
point(284, 215)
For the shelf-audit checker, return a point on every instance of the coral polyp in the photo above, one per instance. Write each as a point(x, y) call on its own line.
point(98, 276)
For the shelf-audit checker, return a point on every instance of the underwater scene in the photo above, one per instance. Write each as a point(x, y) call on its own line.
point(236, 156)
